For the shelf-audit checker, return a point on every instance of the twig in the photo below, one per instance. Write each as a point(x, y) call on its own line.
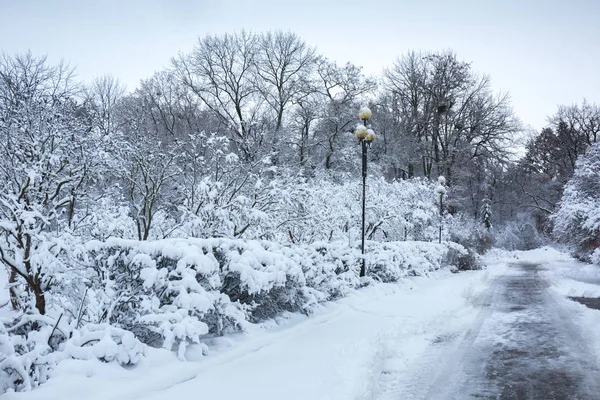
point(79, 314)
point(53, 329)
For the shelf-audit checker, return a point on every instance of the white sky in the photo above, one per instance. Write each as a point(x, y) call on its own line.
point(544, 53)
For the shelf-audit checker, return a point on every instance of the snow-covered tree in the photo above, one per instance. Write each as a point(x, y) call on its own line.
point(486, 214)
point(344, 88)
point(102, 98)
point(220, 71)
point(284, 63)
point(577, 220)
point(43, 169)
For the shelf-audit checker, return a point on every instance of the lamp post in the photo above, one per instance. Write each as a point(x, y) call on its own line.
point(365, 136)
point(441, 190)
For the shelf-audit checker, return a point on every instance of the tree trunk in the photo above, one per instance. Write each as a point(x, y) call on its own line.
point(14, 297)
point(40, 298)
point(329, 155)
point(279, 119)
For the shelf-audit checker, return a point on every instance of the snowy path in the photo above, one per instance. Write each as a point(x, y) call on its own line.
point(524, 345)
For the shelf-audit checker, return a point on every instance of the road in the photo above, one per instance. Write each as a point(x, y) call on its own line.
point(523, 345)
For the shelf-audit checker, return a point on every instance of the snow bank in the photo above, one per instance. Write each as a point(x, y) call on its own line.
point(567, 276)
point(545, 255)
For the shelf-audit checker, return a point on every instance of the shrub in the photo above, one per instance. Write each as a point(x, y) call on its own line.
point(470, 234)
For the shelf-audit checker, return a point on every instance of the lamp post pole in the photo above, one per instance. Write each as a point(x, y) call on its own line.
point(441, 190)
point(364, 203)
point(441, 211)
point(365, 136)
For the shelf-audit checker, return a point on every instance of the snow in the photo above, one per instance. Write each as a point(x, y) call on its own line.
point(345, 350)
point(544, 255)
point(378, 342)
point(177, 292)
point(107, 344)
point(523, 335)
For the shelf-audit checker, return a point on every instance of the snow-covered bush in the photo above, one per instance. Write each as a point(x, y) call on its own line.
point(331, 268)
point(398, 210)
point(390, 262)
point(221, 196)
point(469, 233)
point(30, 348)
point(277, 204)
point(105, 343)
point(176, 291)
point(164, 291)
point(577, 221)
point(464, 259)
point(109, 219)
point(26, 359)
point(264, 277)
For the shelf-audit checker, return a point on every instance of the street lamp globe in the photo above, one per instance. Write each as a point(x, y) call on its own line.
point(370, 136)
point(441, 190)
point(441, 180)
point(361, 131)
point(365, 114)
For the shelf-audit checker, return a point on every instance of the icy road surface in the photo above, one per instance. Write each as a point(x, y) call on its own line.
point(508, 332)
point(523, 345)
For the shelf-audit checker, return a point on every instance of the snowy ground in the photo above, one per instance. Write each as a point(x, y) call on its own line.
point(345, 351)
point(418, 339)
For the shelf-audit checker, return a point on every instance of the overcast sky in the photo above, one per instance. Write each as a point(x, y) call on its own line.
point(543, 53)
